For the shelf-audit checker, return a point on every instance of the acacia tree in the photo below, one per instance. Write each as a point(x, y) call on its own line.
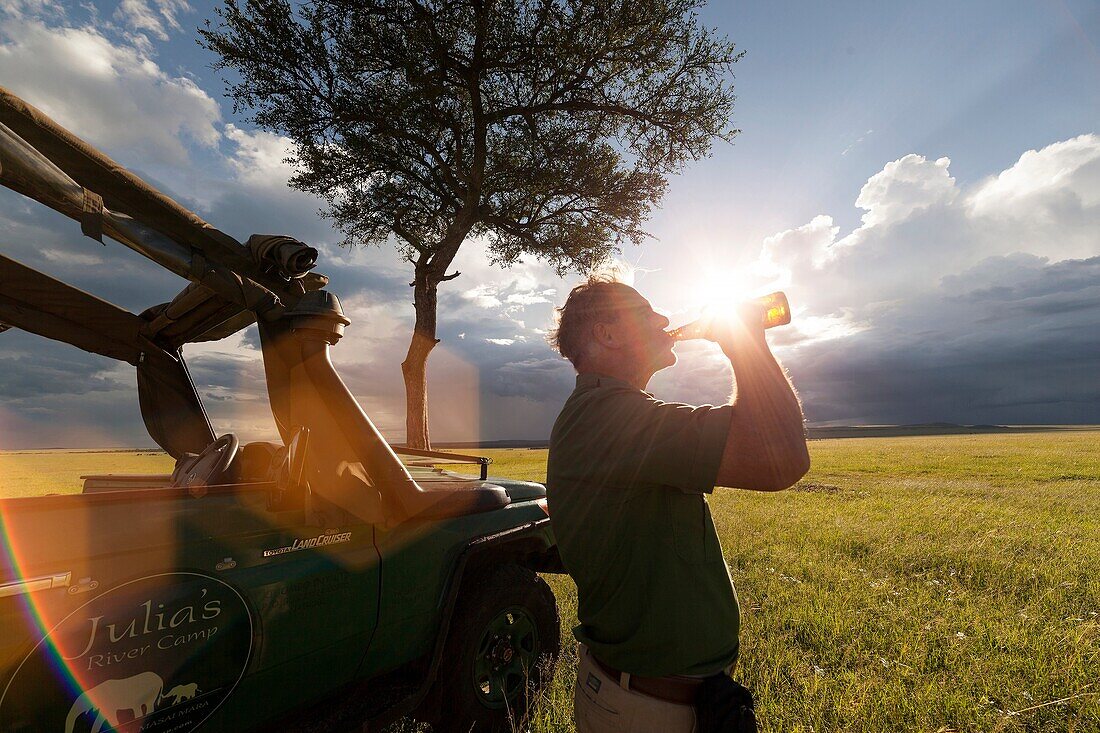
point(545, 127)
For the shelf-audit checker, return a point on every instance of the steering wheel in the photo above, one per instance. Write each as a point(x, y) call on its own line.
point(207, 468)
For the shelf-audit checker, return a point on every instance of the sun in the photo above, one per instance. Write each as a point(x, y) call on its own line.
point(721, 289)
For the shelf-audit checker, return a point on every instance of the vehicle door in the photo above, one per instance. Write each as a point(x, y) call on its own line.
point(157, 609)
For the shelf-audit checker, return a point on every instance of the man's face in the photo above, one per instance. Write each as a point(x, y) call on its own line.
point(641, 331)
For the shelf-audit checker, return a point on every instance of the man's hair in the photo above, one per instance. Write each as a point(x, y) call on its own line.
point(591, 302)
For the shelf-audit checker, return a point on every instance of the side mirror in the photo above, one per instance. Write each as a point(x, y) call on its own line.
point(290, 485)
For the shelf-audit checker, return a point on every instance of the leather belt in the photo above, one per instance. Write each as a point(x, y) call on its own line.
point(680, 690)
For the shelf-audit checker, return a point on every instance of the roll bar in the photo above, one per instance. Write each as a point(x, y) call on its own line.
point(96, 184)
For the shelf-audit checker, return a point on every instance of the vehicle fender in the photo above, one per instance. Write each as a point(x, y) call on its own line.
point(530, 544)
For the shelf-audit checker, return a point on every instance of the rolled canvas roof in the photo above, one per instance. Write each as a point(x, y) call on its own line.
point(125, 192)
point(47, 163)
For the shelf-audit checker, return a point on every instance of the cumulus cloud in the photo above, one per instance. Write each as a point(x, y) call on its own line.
point(805, 248)
point(112, 92)
point(260, 157)
point(957, 304)
point(512, 288)
point(1064, 172)
point(1048, 202)
point(156, 19)
point(483, 295)
point(904, 186)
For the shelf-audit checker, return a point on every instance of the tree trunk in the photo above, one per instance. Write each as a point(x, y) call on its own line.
point(415, 367)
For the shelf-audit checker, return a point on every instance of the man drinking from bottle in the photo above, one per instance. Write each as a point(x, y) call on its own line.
point(626, 482)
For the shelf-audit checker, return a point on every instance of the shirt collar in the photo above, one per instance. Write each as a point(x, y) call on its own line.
point(591, 379)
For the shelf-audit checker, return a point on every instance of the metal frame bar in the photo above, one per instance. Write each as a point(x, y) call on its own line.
point(483, 461)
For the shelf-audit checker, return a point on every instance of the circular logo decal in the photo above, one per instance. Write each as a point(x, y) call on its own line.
point(156, 654)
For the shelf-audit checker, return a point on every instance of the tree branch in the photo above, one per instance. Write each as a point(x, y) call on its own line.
point(504, 113)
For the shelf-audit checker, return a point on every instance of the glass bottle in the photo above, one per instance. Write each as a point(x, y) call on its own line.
point(774, 311)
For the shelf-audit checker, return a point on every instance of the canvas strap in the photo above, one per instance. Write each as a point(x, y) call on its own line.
point(91, 216)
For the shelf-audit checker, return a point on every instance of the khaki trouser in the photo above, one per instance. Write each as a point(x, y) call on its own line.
point(601, 705)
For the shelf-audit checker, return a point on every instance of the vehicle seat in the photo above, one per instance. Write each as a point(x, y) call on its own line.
point(255, 461)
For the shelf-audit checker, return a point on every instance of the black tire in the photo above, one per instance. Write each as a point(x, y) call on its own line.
point(505, 619)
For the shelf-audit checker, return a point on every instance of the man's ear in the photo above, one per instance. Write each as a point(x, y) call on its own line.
point(604, 335)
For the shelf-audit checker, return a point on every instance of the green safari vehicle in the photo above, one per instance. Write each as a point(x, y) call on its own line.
point(317, 582)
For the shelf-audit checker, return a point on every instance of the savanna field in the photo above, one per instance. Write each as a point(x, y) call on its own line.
point(931, 583)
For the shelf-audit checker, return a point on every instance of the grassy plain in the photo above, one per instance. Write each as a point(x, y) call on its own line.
point(933, 583)
point(36, 473)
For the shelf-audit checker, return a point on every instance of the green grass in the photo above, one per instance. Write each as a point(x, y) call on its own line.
point(933, 583)
point(36, 473)
point(947, 583)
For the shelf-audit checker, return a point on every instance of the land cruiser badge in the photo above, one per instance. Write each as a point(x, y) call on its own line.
point(155, 654)
point(332, 537)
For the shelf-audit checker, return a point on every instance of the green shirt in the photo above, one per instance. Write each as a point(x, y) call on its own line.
point(625, 482)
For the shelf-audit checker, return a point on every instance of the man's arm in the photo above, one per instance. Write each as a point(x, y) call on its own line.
point(766, 446)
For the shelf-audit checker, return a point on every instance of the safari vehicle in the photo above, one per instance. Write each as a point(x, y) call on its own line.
point(317, 582)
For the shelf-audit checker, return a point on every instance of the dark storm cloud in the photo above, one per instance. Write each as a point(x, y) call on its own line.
point(1005, 386)
point(379, 283)
point(96, 420)
point(31, 366)
point(237, 374)
point(54, 395)
point(701, 376)
point(546, 379)
point(527, 367)
point(1012, 340)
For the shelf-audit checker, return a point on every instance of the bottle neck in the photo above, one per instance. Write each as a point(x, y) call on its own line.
point(694, 330)
point(774, 311)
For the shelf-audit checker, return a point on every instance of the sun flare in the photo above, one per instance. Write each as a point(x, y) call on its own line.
point(722, 289)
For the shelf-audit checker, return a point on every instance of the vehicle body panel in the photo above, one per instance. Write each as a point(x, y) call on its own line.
point(312, 611)
point(419, 564)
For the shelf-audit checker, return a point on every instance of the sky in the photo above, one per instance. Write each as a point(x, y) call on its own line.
point(922, 179)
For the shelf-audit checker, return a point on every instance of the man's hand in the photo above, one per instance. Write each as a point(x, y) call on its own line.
point(736, 330)
point(766, 446)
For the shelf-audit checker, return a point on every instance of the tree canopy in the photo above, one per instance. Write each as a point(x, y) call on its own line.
point(544, 127)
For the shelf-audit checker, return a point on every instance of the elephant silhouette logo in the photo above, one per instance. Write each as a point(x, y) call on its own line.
point(136, 695)
point(180, 693)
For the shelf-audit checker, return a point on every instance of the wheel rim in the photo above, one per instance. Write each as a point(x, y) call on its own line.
point(506, 655)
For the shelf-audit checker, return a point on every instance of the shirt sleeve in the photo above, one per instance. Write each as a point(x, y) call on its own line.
point(667, 443)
